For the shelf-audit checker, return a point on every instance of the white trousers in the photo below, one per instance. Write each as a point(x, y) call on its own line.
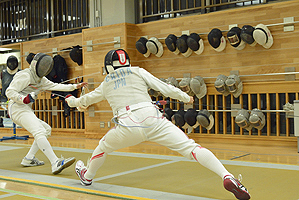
point(146, 124)
point(24, 116)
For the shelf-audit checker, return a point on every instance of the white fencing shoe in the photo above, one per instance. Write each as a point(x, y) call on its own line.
point(80, 171)
point(61, 164)
point(31, 162)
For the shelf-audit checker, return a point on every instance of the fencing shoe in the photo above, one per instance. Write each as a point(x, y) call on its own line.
point(233, 185)
point(31, 162)
point(61, 164)
point(80, 171)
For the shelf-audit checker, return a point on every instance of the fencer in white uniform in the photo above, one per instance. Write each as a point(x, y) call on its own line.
point(22, 92)
point(138, 119)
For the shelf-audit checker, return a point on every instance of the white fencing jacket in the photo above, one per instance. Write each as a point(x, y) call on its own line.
point(128, 86)
point(26, 81)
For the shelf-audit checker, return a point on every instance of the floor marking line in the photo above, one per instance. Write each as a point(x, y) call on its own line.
point(13, 192)
point(134, 170)
point(74, 189)
point(240, 156)
point(7, 195)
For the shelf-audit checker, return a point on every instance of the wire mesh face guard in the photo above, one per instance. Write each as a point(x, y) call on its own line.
point(12, 62)
point(112, 64)
point(43, 64)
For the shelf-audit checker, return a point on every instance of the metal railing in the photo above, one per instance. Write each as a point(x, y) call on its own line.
point(151, 10)
point(22, 20)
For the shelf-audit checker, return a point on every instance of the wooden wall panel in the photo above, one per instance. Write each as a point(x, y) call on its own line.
point(47, 45)
point(93, 64)
point(251, 60)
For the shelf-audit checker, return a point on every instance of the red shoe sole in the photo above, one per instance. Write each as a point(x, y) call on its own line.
point(239, 194)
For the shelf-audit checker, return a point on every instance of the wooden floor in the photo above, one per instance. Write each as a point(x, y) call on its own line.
point(277, 152)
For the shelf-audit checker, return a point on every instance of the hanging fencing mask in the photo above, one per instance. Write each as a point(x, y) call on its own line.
point(257, 119)
point(184, 85)
point(168, 113)
point(178, 118)
point(217, 40)
point(205, 119)
point(141, 47)
point(12, 63)
point(30, 57)
point(195, 43)
point(76, 54)
point(170, 42)
point(234, 85)
point(115, 59)
point(155, 46)
point(172, 81)
point(247, 35)
point(42, 64)
point(190, 117)
point(198, 86)
point(234, 38)
point(183, 46)
point(220, 84)
point(242, 119)
point(263, 36)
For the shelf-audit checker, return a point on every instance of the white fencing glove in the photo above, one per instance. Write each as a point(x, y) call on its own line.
point(72, 101)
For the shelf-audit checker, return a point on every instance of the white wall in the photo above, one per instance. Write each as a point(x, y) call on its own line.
point(3, 57)
point(108, 12)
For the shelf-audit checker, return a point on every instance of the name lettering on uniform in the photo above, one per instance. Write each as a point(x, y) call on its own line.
point(118, 74)
point(119, 83)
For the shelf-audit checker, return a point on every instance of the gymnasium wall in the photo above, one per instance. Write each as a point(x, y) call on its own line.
point(250, 61)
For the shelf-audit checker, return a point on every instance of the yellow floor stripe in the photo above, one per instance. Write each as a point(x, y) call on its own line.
point(75, 189)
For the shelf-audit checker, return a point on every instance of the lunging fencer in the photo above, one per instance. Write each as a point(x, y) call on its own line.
point(22, 92)
point(138, 119)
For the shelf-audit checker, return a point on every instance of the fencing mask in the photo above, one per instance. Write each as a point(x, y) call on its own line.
point(170, 42)
point(247, 35)
point(12, 62)
point(183, 46)
point(234, 38)
point(115, 59)
point(217, 40)
point(220, 84)
point(195, 43)
point(141, 47)
point(263, 36)
point(234, 84)
point(76, 54)
point(257, 119)
point(205, 119)
point(242, 119)
point(42, 64)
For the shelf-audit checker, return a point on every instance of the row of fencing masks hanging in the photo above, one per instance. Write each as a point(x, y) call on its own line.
point(186, 44)
point(149, 46)
point(190, 119)
point(229, 85)
point(256, 119)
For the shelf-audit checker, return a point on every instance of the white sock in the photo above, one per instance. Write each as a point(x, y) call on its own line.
point(207, 159)
point(32, 151)
point(45, 147)
point(97, 159)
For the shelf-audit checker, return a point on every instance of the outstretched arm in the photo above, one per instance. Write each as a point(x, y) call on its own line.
point(87, 99)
